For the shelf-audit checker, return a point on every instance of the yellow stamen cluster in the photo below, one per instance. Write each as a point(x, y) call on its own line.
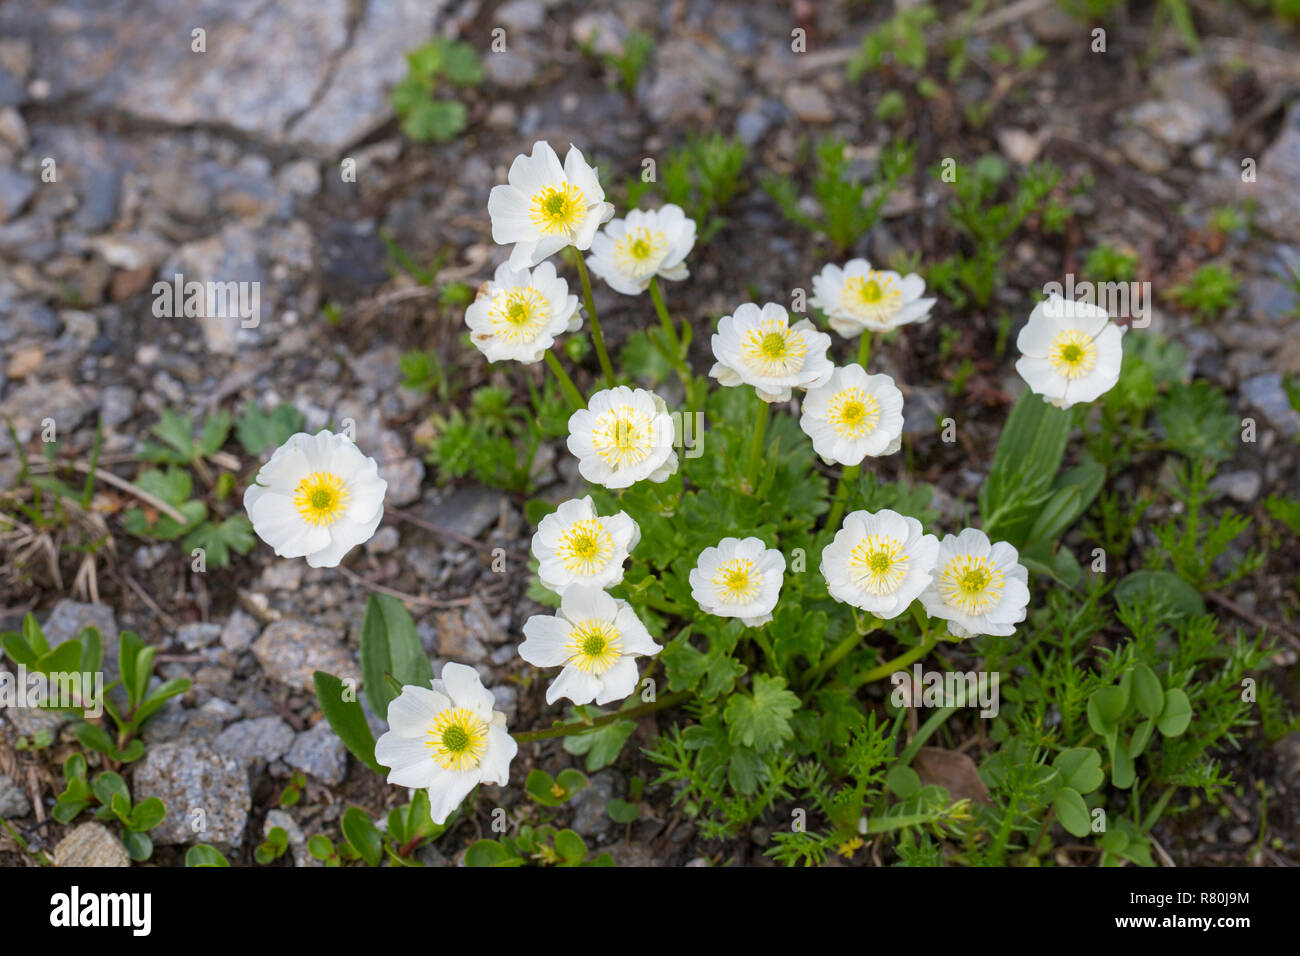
point(872, 295)
point(639, 251)
point(737, 581)
point(321, 498)
point(457, 739)
point(559, 208)
point(971, 584)
point(1072, 354)
point(878, 564)
point(623, 436)
point(773, 349)
point(585, 547)
point(519, 313)
point(853, 412)
point(594, 646)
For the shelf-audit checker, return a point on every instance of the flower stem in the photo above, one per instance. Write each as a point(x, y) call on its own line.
point(843, 648)
point(756, 446)
point(581, 726)
point(864, 349)
point(674, 340)
point(596, 336)
point(847, 477)
point(566, 384)
point(898, 663)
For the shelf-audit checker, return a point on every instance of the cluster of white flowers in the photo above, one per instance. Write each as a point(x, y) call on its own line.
point(318, 496)
point(881, 562)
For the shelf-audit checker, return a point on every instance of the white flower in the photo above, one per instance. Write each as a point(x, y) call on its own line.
point(879, 562)
point(447, 739)
point(857, 297)
point(759, 347)
point(596, 638)
point(574, 545)
point(739, 578)
point(627, 253)
point(623, 436)
point(519, 313)
point(977, 588)
point(547, 206)
point(1071, 351)
point(853, 415)
point(317, 497)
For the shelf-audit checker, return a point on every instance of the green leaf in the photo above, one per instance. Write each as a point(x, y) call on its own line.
point(552, 791)
point(461, 64)
point(94, 737)
point(1080, 769)
point(320, 847)
point(1148, 695)
point(490, 853)
point(138, 844)
point(157, 697)
point(1176, 714)
point(201, 854)
point(108, 785)
point(1072, 812)
point(218, 540)
point(762, 719)
point(570, 847)
point(346, 718)
point(602, 745)
point(147, 814)
point(1105, 708)
point(390, 645)
point(435, 121)
point(258, 431)
point(622, 811)
point(362, 835)
point(903, 782)
point(1122, 772)
point(1160, 587)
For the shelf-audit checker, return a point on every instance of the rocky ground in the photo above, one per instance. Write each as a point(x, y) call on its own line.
point(226, 165)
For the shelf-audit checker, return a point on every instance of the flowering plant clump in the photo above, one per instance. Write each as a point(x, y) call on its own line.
point(761, 590)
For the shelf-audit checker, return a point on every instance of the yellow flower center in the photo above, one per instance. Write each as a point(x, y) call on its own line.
point(878, 564)
point(585, 547)
point(737, 581)
point(872, 296)
point(593, 646)
point(623, 436)
point(1072, 354)
point(457, 739)
point(638, 252)
point(773, 349)
point(971, 584)
point(321, 498)
point(853, 412)
point(519, 313)
point(557, 209)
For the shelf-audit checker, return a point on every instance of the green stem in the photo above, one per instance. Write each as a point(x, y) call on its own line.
point(864, 349)
point(596, 336)
point(1154, 813)
point(925, 733)
point(566, 384)
point(843, 648)
point(756, 446)
point(582, 726)
point(847, 477)
point(677, 359)
point(898, 663)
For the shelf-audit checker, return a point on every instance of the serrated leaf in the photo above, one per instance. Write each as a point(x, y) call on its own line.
point(761, 719)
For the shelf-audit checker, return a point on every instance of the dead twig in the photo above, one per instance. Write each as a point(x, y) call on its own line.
point(1250, 617)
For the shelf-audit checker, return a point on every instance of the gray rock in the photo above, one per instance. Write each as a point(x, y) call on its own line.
point(319, 752)
point(240, 630)
point(1265, 392)
point(13, 801)
point(467, 511)
point(808, 103)
point(196, 635)
point(430, 855)
point(259, 739)
point(355, 102)
point(290, 651)
point(1277, 189)
point(297, 841)
point(15, 190)
point(101, 194)
point(590, 818)
point(35, 401)
point(232, 255)
point(206, 794)
point(116, 405)
point(385, 541)
point(457, 634)
point(601, 30)
point(510, 68)
point(1240, 486)
point(92, 844)
point(404, 478)
point(923, 407)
